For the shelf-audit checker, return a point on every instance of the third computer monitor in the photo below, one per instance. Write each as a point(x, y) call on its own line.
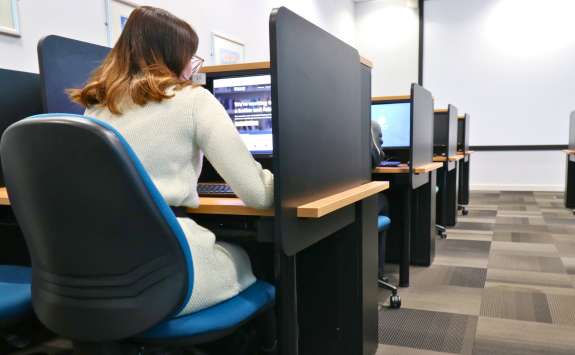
point(248, 101)
point(395, 122)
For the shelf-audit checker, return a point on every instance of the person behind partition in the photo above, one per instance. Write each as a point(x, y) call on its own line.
point(142, 89)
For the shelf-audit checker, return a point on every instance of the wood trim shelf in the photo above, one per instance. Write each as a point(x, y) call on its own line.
point(401, 169)
point(227, 206)
point(326, 205)
point(381, 99)
point(366, 62)
point(440, 110)
point(4, 200)
point(235, 67)
point(427, 168)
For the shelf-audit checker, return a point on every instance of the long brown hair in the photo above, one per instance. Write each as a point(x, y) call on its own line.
point(151, 53)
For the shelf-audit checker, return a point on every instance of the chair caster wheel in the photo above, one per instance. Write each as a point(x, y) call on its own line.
point(465, 212)
point(443, 235)
point(394, 301)
point(17, 341)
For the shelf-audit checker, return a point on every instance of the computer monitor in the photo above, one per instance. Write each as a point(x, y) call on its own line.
point(248, 101)
point(395, 122)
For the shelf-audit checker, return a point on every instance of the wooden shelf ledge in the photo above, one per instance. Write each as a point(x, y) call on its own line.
point(401, 169)
point(235, 67)
point(366, 62)
point(228, 206)
point(441, 110)
point(383, 99)
point(326, 205)
point(427, 168)
point(4, 200)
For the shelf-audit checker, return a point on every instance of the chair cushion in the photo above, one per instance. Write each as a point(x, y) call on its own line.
point(15, 291)
point(224, 315)
point(383, 223)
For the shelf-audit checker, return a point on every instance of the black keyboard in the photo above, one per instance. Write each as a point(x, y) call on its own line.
point(213, 189)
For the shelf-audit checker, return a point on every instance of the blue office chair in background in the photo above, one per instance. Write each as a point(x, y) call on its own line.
point(15, 301)
point(111, 265)
point(383, 224)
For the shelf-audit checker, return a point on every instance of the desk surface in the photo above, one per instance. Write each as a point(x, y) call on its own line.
point(468, 152)
point(569, 151)
point(451, 158)
point(404, 169)
point(235, 206)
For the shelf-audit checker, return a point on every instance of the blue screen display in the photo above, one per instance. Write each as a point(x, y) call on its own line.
point(394, 120)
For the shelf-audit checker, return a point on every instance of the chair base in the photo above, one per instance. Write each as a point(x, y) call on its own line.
point(463, 209)
point(441, 231)
point(394, 299)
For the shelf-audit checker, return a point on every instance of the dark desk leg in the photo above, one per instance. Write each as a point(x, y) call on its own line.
point(286, 306)
point(451, 195)
point(441, 203)
point(570, 183)
point(423, 224)
point(368, 211)
point(464, 181)
point(406, 238)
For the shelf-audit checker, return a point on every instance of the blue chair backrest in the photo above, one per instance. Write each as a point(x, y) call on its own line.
point(109, 258)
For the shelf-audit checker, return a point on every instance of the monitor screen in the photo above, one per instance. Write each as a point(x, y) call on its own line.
point(395, 121)
point(248, 101)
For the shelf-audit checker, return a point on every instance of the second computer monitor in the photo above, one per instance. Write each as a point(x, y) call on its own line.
point(395, 122)
point(247, 99)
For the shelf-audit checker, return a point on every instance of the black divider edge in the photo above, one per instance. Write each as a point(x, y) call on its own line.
point(317, 129)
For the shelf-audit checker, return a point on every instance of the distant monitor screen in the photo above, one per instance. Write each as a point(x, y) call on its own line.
point(394, 120)
point(248, 101)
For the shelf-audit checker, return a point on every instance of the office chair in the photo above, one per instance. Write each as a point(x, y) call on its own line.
point(15, 301)
point(463, 209)
point(383, 224)
point(111, 266)
point(441, 230)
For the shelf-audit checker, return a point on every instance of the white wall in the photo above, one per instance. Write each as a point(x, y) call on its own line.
point(508, 63)
point(387, 33)
point(246, 21)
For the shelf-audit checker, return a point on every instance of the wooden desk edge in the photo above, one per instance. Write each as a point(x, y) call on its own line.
point(326, 205)
point(402, 169)
point(569, 151)
point(4, 200)
point(366, 62)
point(383, 99)
point(235, 67)
point(427, 168)
point(455, 157)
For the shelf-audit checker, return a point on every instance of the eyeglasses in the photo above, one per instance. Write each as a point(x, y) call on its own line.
point(197, 63)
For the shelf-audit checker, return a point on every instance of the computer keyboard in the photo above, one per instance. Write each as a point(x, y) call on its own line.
point(215, 189)
point(390, 163)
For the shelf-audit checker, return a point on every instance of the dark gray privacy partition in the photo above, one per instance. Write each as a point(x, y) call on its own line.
point(317, 126)
point(572, 131)
point(65, 63)
point(463, 133)
point(445, 131)
point(421, 126)
point(19, 98)
point(452, 143)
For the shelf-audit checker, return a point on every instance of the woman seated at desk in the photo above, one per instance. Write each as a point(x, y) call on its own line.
point(142, 89)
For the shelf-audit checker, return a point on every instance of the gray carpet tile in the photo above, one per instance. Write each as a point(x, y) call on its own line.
point(518, 250)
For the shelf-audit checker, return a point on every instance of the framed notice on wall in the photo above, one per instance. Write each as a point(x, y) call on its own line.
point(226, 50)
point(117, 13)
point(9, 20)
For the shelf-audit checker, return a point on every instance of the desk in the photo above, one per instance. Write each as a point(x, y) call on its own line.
point(418, 221)
point(570, 178)
point(448, 183)
point(464, 163)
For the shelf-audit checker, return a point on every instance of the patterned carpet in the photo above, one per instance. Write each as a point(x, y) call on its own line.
point(503, 282)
